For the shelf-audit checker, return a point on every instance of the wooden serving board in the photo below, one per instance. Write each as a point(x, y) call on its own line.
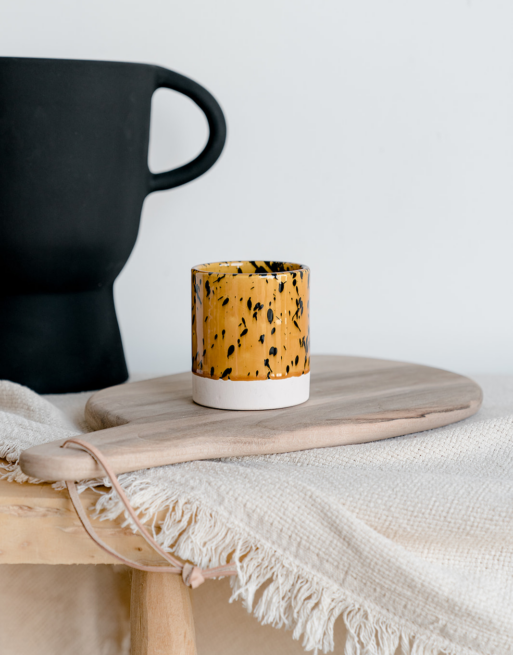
point(353, 400)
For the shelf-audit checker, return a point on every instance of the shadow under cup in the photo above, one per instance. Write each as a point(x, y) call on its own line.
point(250, 334)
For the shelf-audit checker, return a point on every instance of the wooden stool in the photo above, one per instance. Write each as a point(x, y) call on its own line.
point(38, 525)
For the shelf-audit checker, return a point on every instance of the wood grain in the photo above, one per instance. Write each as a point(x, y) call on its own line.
point(353, 400)
point(38, 525)
point(161, 615)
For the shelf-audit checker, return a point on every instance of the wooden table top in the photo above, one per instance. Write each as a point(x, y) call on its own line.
point(38, 525)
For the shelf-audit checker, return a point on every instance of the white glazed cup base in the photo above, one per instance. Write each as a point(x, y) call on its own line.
point(250, 394)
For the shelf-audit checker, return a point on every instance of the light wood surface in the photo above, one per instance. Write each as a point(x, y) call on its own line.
point(38, 525)
point(161, 615)
point(353, 400)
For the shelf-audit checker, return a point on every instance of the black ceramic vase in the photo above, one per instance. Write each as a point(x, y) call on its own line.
point(73, 178)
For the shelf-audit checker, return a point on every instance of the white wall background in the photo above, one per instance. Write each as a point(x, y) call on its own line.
point(371, 140)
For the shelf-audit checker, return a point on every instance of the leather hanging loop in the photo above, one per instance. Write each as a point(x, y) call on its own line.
point(192, 575)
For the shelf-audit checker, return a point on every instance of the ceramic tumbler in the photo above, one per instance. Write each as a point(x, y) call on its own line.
point(250, 334)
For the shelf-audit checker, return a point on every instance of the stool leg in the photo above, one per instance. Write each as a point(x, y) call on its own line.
point(161, 615)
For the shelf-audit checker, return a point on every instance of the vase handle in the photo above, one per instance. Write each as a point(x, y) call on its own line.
point(217, 131)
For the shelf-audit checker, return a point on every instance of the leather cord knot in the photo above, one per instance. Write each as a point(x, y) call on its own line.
point(192, 575)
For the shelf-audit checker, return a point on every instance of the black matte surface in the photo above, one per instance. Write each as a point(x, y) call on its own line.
point(73, 178)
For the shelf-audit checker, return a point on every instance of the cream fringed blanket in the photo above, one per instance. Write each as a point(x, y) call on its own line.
point(410, 539)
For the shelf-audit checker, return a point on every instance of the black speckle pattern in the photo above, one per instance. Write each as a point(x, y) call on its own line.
point(228, 300)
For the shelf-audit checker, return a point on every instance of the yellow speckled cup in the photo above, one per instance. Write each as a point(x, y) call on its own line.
point(250, 334)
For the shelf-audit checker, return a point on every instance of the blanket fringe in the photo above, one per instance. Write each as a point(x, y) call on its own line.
point(275, 589)
point(13, 472)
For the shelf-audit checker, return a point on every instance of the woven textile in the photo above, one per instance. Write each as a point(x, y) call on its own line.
point(408, 539)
